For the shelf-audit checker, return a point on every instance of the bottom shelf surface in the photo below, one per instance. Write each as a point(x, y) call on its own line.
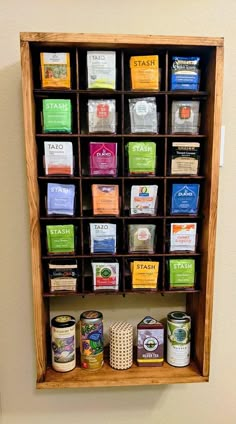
point(134, 376)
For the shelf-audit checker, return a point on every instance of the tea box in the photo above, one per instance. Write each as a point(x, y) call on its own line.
point(150, 349)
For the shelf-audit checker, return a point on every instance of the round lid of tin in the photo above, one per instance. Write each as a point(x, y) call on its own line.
point(178, 316)
point(91, 316)
point(62, 321)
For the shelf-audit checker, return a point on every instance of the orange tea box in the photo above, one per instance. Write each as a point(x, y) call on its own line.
point(145, 72)
point(105, 199)
point(55, 70)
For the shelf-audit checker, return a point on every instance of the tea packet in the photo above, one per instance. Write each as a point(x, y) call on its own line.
point(183, 237)
point(143, 200)
point(103, 158)
point(101, 68)
point(143, 115)
point(185, 158)
point(63, 275)
point(141, 237)
point(185, 198)
point(102, 116)
point(58, 158)
point(55, 70)
point(145, 72)
point(144, 274)
point(105, 275)
point(185, 73)
point(60, 239)
point(60, 199)
point(57, 116)
point(182, 273)
point(185, 117)
point(141, 158)
point(102, 238)
point(105, 199)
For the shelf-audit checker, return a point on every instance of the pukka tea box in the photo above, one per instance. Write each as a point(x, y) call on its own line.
point(185, 199)
point(103, 158)
point(55, 70)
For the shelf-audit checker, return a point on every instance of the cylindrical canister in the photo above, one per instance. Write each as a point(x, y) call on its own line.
point(63, 343)
point(121, 345)
point(178, 339)
point(91, 340)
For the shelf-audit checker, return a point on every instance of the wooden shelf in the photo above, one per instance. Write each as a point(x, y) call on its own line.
point(198, 300)
point(134, 376)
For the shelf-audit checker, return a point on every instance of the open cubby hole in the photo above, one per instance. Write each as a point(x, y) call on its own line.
point(85, 156)
point(144, 51)
point(87, 202)
point(160, 156)
point(139, 181)
point(83, 73)
point(77, 237)
point(39, 111)
point(35, 52)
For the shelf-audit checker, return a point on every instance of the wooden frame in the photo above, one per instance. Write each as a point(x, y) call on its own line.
point(199, 303)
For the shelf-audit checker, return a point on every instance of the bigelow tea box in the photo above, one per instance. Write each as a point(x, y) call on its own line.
point(150, 350)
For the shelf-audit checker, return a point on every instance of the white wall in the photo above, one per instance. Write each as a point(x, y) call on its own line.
point(21, 403)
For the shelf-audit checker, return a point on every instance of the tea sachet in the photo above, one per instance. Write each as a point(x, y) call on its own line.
point(101, 68)
point(102, 238)
point(60, 199)
point(60, 239)
point(185, 158)
point(185, 198)
point(58, 158)
point(143, 200)
point(105, 275)
point(141, 158)
point(143, 115)
point(145, 72)
point(141, 238)
point(185, 116)
point(103, 158)
point(144, 274)
point(102, 116)
point(57, 116)
point(185, 73)
point(105, 199)
point(183, 236)
point(182, 273)
point(55, 70)
point(63, 275)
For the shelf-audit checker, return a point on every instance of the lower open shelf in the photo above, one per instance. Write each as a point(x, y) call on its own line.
point(134, 376)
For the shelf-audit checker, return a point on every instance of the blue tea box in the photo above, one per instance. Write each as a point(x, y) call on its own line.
point(185, 73)
point(60, 199)
point(185, 199)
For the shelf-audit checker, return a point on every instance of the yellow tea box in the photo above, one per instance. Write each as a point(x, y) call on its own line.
point(145, 72)
point(144, 274)
point(105, 199)
point(55, 70)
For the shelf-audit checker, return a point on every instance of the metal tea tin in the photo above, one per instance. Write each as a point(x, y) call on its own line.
point(91, 340)
point(178, 339)
point(63, 343)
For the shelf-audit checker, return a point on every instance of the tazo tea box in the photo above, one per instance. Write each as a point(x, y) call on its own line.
point(182, 273)
point(105, 199)
point(185, 158)
point(58, 158)
point(143, 115)
point(185, 117)
point(102, 116)
point(185, 73)
point(101, 67)
point(185, 199)
point(102, 238)
point(103, 158)
point(55, 70)
point(57, 116)
point(144, 274)
point(145, 72)
point(141, 238)
point(105, 275)
point(143, 200)
point(141, 157)
point(183, 237)
point(60, 199)
point(63, 276)
point(150, 350)
point(60, 239)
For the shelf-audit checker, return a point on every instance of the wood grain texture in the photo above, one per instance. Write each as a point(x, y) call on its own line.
point(33, 201)
point(135, 376)
point(119, 39)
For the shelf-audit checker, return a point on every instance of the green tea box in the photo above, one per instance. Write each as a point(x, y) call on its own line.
point(60, 239)
point(182, 273)
point(57, 116)
point(141, 158)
